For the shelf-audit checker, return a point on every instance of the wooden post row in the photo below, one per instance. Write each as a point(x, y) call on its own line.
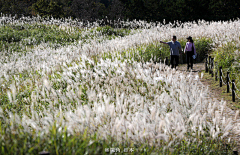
point(210, 60)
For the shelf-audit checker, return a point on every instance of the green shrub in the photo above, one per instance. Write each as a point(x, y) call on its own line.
point(226, 56)
point(203, 46)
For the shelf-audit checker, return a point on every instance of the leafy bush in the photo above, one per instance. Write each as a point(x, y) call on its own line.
point(226, 56)
point(203, 46)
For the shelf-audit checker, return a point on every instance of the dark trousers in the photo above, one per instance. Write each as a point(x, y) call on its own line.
point(189, 59)
point(176, 58)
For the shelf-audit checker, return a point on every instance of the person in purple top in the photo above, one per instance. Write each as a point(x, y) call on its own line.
point(175, 48)
point(190, 50)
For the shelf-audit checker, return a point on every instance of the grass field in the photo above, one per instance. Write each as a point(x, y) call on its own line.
point(95, 90)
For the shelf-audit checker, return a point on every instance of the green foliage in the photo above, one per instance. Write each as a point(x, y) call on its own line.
point(48, 8)
point(228, 57)
point(181, 10)
point(155, 52)
point(204, 145)
point(149, 10)
point(18, 37)
point(203, 46)
point(225, 55)
point(109, 31)
point(60, 141)
point(14, 37)
point(14, 7)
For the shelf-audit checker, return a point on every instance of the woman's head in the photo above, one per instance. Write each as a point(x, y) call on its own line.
point(190, 39)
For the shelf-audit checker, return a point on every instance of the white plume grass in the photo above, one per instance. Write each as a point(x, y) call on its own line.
point(116, 96)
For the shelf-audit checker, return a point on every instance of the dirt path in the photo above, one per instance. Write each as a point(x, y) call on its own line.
point(198, 67)
point(218, 94)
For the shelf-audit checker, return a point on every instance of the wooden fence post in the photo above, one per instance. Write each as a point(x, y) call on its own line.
point(235, 152)
point(209, 59)
point(233, 90)
point(228, 86)
point(216, 72)
point(212, 65)
point(220, 76)
point(206, 64)
point(209, 64)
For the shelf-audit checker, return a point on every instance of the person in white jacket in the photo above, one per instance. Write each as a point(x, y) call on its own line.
point(190, 50)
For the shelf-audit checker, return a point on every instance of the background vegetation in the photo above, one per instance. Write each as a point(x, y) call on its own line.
point(149, 10)
point(19, 37)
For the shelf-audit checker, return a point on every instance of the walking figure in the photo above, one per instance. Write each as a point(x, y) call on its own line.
point(190, 50)
point(175, 47)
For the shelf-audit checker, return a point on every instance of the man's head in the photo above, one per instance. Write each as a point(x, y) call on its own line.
point(174, 38)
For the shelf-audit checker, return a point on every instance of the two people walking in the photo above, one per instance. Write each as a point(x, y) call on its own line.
point(175, 49)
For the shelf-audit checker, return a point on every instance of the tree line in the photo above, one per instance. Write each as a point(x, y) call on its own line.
point(149, 10)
